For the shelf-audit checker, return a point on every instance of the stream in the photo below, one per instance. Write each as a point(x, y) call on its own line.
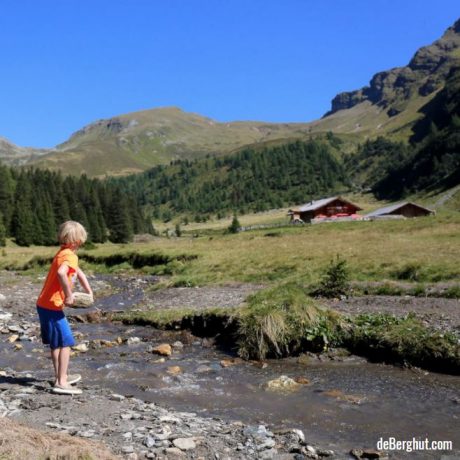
point(348, 402)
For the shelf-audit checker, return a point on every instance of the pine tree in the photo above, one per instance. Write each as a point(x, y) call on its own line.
point(234, 226)
point(2, 231)
point(6, 196)
point(119, 219)
point(23, 219)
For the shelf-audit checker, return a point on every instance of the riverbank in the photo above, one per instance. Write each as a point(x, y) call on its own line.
point(195, 379)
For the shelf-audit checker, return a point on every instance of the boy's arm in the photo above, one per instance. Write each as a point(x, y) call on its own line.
point(84, 281)
point(62, 272)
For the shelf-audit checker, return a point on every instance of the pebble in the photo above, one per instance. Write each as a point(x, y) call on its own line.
point(163, 350)
point(133, 341)
point(174, 452)
point(184, 443)
point(174, 370)
point(282, 383)
point(149, 442)
point(81, 347)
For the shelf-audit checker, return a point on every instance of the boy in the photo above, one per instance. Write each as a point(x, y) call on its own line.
point(57, 293)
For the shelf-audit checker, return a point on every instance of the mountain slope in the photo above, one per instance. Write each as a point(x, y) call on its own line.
point(398, 104)
point(137, 141)
point(394, 99)
point(14, 155)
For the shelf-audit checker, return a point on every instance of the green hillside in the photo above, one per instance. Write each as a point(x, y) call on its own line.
point(137, 141)
point(248, 180)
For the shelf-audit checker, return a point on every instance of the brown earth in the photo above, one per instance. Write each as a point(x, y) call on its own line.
point(20, 441)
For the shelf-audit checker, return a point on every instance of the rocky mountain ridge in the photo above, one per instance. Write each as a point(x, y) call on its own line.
point(424, 75)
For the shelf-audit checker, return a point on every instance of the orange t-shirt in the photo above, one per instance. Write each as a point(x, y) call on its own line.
point(52, 296)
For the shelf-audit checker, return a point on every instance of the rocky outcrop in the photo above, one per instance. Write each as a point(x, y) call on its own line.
point(425, 73)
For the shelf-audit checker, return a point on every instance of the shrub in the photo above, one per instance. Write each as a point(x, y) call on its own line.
point(335, 281)
point(234, 226)
point(281, 321)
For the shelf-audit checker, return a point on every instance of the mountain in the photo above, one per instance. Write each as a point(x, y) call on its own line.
point(14, 155)
point(394, 99)
point(398, 104)
point(136, 141)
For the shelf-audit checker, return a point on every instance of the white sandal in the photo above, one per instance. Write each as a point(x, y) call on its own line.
point(66, 390)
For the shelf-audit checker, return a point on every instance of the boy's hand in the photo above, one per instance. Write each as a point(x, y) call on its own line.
point(69, 300)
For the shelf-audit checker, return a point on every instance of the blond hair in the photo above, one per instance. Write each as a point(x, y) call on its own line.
point(71, 232)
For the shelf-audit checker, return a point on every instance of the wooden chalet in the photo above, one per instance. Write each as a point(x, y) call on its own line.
point(405, 209)
point(334, 207)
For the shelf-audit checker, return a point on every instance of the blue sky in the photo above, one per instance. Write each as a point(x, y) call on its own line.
point(66, 63)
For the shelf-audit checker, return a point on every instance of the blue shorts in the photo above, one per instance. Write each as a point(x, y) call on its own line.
point(55, 328)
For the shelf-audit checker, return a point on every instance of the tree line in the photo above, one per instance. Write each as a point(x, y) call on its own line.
point(34, 202)
point(249, 180)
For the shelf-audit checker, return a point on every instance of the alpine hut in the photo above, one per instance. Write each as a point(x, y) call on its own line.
point(405, 209)
point(326, 208)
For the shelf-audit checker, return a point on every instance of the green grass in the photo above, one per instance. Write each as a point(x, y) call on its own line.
point(424, 250)
point(282, 321)
point(384, 337)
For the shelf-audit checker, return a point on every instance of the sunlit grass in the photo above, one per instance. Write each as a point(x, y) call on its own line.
point(373, 251)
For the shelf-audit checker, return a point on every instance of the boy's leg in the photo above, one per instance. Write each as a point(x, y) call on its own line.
point(55, 359)
point(63, 357)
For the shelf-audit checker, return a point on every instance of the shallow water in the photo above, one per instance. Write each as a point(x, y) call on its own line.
point(369, 401)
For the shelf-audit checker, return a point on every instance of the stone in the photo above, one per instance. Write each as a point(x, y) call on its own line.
point(267, 444)
point(86, 434)
point(149, 442)
point(370, 453)
point(163, 350)
point(4, 316)
point(174, 370)
point(18, 346)
point(174, 452)
point(117, 397)
point(184, 443)
point(127, 449)
point(133, 341)
point(13, 338)
point(81, 347)
point(178, 344)
point(169, 419)
point(325, 452)
point(302, 380)
point(203, 369)
point(230, 362)
point(300, 435)
point(282, 383)
point(269, 454)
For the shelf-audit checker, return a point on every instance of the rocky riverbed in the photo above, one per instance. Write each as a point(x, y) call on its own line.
point(135, 426)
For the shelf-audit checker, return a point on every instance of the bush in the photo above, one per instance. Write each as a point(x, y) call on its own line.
point(335, 280)
point(281, 321)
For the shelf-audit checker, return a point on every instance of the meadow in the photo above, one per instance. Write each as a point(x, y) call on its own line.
point(415, 250)
point(290, 262)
